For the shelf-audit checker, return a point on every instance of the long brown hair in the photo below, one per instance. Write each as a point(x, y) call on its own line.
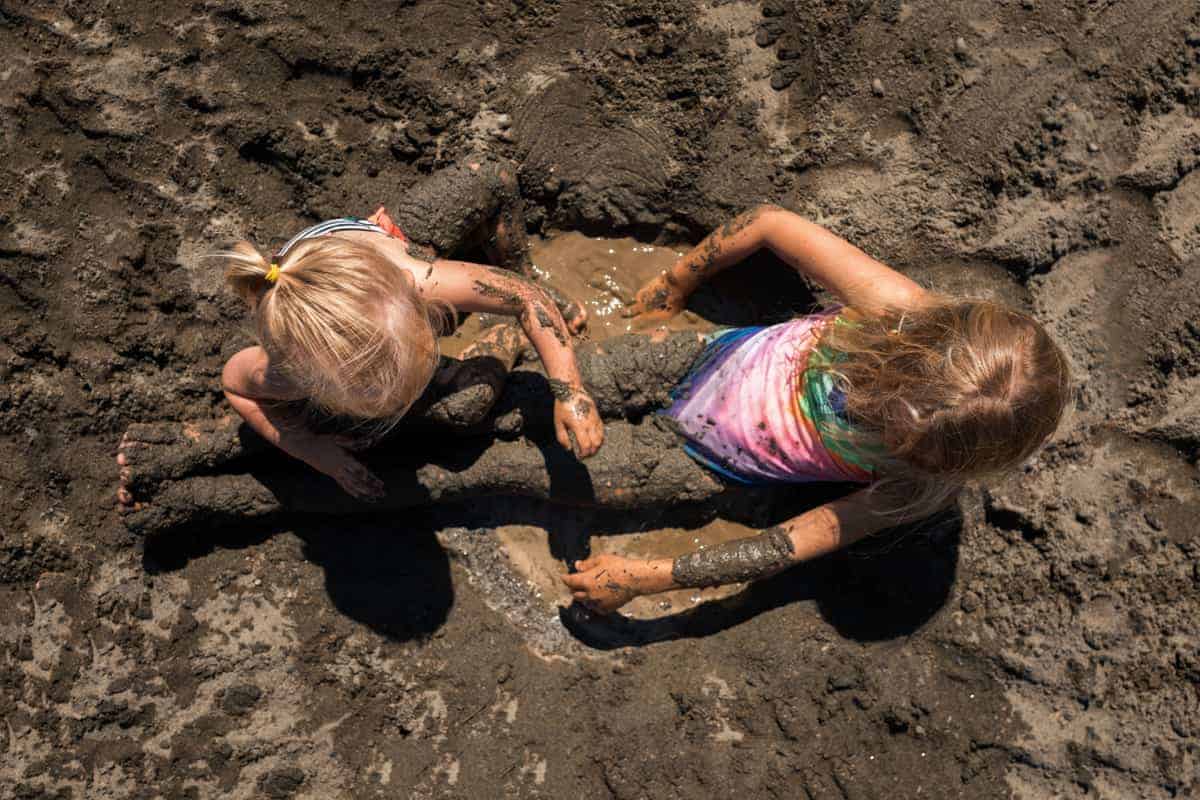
point(953, 391)
point(342, 322)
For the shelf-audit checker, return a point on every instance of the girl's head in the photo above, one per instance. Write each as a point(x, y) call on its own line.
point(342, 322)
point(957, 390)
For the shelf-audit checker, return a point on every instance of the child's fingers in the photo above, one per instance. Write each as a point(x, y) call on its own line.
point(594, 436)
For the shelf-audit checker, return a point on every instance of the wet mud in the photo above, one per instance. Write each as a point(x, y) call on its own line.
point(1038, 643)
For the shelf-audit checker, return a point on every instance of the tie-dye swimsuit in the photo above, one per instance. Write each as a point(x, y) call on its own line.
point(752, 412)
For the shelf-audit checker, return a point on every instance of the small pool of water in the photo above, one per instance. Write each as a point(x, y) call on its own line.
point(604, 274)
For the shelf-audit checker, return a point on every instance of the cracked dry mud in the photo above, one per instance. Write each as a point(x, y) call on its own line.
point(1040, 644)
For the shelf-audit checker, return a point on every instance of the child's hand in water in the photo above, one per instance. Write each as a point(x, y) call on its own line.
point(331, 455)
point(657, 301)
point(576, 421)
point(606, 582)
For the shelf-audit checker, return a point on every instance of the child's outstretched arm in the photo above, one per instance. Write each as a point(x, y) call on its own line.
point(604, 583)
point(848, 272)
point(257, 393)
point(474, 287)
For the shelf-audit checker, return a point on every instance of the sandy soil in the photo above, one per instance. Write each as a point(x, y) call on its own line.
point(1043, 643)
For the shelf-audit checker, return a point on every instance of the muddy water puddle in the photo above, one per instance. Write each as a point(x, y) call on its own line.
point(605, 274)
point(529, 549)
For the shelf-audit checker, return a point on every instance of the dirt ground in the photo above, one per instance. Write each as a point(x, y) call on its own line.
point(1042, 643)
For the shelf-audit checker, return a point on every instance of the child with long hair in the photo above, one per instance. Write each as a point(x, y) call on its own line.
point(348, 313)
point(910, 393)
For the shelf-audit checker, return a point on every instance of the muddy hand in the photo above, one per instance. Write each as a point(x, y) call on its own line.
point(605, 582)
point(578, 425)
point(656, 302)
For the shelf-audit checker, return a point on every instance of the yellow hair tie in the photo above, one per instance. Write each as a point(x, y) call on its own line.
point(273, 273)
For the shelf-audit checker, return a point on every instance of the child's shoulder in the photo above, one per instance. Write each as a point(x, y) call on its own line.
point(250, 373)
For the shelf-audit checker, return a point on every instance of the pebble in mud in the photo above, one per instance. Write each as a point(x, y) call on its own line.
point(783, 77)
point(281, 784)
point(238, 700)
point(877, 87)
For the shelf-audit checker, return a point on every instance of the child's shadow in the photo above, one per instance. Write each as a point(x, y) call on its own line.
point(886, 587)
point(394, 581)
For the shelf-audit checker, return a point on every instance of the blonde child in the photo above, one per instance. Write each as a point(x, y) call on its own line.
point(348, 314)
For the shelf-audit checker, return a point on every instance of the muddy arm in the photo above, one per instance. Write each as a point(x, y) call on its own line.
point(813, 251)
point(605, 583)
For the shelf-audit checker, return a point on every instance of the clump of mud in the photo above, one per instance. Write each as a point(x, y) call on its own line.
point(1041, 643)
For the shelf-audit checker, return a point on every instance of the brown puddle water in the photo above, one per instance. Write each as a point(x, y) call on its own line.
point(605, 274)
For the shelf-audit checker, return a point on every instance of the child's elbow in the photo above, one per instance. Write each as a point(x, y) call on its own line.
point(771, 215)
point(237, 376)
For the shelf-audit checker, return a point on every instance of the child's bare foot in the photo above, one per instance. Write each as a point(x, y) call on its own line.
point(155, 452)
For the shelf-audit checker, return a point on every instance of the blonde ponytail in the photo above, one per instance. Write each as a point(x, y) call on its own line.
point(343, 322)
point(247, 273)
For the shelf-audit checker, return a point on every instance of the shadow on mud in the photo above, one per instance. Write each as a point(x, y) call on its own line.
point(397, 583)
point(885, 588)
point(763, 290)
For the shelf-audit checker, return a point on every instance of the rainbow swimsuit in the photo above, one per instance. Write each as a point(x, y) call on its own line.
point(752, 412)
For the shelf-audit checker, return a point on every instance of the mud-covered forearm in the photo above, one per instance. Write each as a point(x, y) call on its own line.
point(738, 561)
point(735, 240)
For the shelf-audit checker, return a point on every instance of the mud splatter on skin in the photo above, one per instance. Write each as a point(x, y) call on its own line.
point(423, 253)
point(546, 321)
point(508, 298)
point(560, 389)
point(570, 309)
point(517, 293)
point(712, 246)
point(658, 300)
point(710, 251)
point(583, 407)
point(737, 561)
